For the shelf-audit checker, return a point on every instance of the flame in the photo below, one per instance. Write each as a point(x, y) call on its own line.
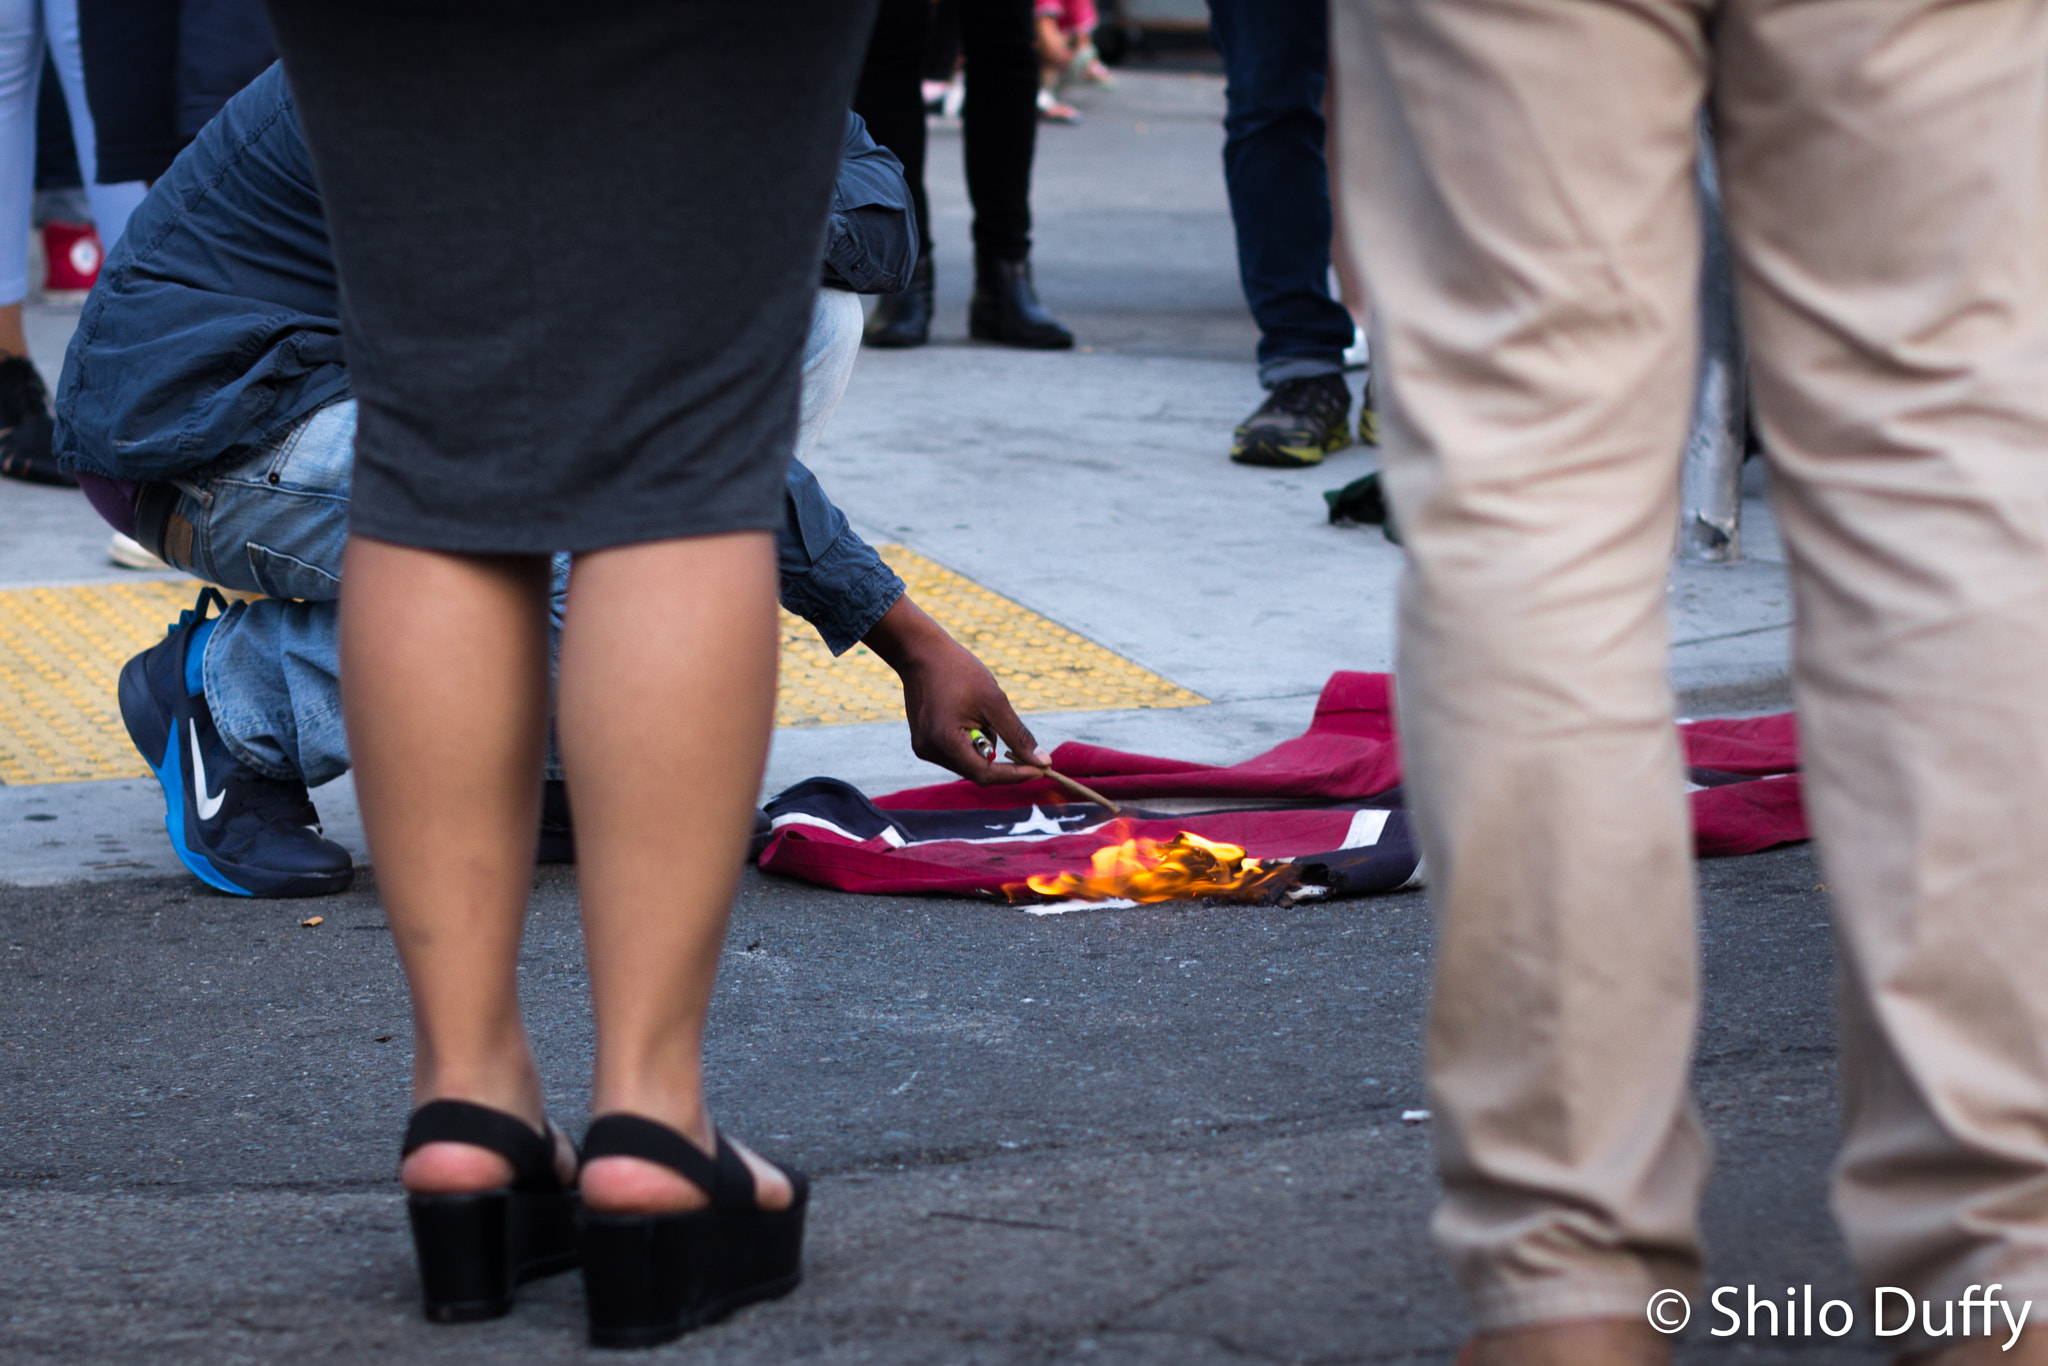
point(1146, 870)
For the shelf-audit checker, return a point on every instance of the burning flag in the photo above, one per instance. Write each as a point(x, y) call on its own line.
point(1146, 870)
point(1318, 816)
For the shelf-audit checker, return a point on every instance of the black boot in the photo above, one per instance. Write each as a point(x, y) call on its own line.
point(26, 430)
point(1006, 308)
point(904, 319)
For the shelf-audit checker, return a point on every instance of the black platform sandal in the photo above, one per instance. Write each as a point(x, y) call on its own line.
point(650, 1278)
point(478, 1247)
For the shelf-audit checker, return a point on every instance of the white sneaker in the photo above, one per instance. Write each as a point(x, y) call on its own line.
point(1358, 355)
point(1052, 110)
point(127, 552)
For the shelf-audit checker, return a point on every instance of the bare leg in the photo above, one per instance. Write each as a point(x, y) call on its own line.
point(444, 669)
point(667, 696)
point(13, 341)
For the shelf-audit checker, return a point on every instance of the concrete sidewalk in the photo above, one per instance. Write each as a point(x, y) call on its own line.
point(1165, 1136)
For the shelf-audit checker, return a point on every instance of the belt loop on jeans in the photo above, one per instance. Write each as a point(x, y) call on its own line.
point(159, 528)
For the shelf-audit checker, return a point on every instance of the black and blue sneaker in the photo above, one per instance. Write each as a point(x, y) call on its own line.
point(235, 828)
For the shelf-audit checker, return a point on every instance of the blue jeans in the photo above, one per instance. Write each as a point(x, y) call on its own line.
point(277, 523)
point(1274, 57)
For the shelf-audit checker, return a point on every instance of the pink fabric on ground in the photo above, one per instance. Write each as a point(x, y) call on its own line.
point(1348, 754)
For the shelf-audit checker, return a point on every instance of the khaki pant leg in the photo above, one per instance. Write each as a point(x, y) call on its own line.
point(1517, 189)
point(1886, 171)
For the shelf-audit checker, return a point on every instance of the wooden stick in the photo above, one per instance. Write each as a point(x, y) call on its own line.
point(986, 748)
point(1083, 791)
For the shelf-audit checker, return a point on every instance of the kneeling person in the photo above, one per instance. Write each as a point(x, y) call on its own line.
point(205, 408)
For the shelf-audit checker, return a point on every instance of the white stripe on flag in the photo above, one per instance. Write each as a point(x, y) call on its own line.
point(1365, 829)
point(889, 835)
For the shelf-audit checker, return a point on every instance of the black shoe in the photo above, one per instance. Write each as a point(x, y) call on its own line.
point(1005, 308)
point(235, 828)
point(650, 1278)
point(904, 319)
point(1300, 422)
point(26, 431)
point(476, 1249)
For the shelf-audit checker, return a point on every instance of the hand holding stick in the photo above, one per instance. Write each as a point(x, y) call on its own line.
point(987, 749)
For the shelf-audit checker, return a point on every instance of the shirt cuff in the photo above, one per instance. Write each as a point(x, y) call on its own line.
point(842, 597)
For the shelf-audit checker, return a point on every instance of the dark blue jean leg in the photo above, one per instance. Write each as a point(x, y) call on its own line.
point(1275, 53)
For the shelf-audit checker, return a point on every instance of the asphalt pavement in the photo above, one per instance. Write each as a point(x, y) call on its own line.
point(1158, 1135)
point(1163, 1135)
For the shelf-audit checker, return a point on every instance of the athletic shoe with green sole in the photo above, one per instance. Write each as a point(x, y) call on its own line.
point(1300, 422)
point(1368, 415)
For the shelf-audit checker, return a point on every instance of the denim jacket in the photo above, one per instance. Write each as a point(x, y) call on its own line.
point(871, 243)
point(216, 328)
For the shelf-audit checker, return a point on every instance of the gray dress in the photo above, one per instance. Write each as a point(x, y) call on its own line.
point(578, 244)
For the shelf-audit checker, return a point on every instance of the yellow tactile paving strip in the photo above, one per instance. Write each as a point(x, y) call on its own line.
point(60, 652)
point(1043, 666)
point(62, 648)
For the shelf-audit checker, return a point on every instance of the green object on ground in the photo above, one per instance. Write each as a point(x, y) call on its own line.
point(1362, 501)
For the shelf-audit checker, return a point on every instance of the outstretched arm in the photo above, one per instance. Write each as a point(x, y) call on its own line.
point(835, 580)
point(948, 693)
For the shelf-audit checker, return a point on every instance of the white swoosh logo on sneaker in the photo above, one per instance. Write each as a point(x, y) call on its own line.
point(207, 805)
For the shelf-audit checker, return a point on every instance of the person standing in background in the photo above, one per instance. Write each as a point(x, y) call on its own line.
point(61, 214)
point(1066, 54)
point(1000, 138)
point(157, 70)
point(1274, 56)
point(1519, 188)
point(28, 30)
point(1066, 45)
